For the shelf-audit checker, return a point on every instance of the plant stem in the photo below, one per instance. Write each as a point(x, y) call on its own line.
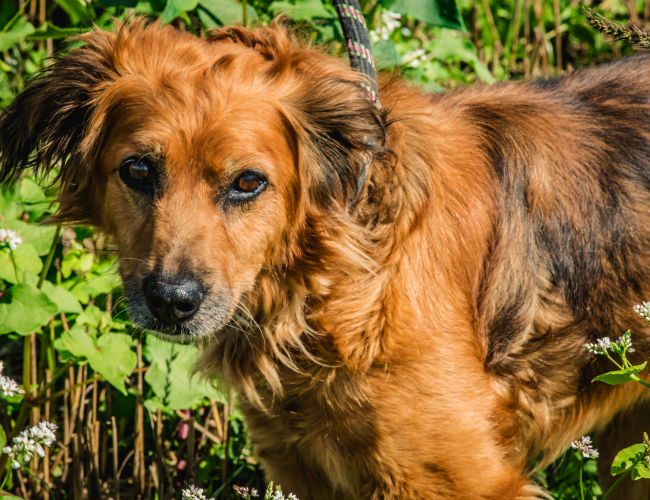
point(244, 12)
point(48, 259)
point(637, 379)
point(13, 261)
point(582, 493)
point(618, 481)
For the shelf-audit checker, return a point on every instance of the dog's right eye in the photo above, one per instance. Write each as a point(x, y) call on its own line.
point(137, 173)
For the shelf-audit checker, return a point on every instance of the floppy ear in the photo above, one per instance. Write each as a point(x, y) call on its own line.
point(44, 127)
point(342, 131)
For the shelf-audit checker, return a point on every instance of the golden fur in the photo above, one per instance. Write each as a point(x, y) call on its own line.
point(425, 345)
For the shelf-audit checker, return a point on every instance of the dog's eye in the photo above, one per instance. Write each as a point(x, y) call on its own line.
point(247, 183)
point(138, 173)
point(247, 186)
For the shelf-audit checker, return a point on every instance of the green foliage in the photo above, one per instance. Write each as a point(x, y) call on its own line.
point(620, 376)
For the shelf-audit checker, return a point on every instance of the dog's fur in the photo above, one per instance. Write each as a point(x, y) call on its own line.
point(426, 344)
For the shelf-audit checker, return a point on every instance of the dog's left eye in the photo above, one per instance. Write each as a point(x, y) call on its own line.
point(138, 174)
point(247, 186)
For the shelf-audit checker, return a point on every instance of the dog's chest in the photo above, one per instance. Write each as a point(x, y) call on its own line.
point(327, 428)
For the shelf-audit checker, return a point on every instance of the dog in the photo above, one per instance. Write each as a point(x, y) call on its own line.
point(422, 342)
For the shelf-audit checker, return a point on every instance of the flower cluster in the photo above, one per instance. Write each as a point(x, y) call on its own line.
point(643, 310)
point(8, 387)
point(390, 21)
point(193, 493)
point(413, 58)
point(31, 441)
point(245, 492)
point(583, 445)
point(621, 346)
point(10, 238)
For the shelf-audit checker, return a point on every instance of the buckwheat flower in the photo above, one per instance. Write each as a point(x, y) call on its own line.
point(583, 445)
point(291, 496)
point(624, 343)
point(601, 347)
point(391, 20)
point(245, 491)
point(8, 387)
point(413, 58)
point(643, 310)
point(30, 442)
point(193, 493)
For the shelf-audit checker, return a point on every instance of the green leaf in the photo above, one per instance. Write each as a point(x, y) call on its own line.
point(175, 8)
point(444, 13)
point(641, 470)
point(30, 192)
point(9, 497)
point(48, 30)
point(92, 316)
point(93, 285)
point(64, 300)
point(27, 260)
point(620, 376)
point(18, 31)
point(626, 458)
point(310, 9)
point(172, 377)
point(39, 236)
point(215, 13)
point(451, 48)
point(28, 310)
point(109, 355)
point(76, 9)
point(3, 438)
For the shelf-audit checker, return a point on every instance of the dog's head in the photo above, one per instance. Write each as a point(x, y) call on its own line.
point(202, 158)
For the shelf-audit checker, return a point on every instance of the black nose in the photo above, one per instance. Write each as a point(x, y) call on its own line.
point(173, 299)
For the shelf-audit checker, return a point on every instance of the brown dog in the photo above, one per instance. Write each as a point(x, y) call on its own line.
point(425, 343)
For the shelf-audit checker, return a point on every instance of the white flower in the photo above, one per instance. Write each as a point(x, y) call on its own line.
point(391, 20)
point(602, 347)
point(624, 343)
point(10, 237)
point(8, 387)
point(643, 310)
point(413, 58)
point(193, 493)
point(31, 441)
point(406, 31)
point(583, 445)
point(245, 492)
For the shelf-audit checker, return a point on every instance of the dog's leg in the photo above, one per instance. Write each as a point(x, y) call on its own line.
point(624, 430)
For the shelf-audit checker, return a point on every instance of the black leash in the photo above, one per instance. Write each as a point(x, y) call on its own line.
point(357, 41)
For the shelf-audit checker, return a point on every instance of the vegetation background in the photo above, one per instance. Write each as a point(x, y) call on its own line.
point(129, 427)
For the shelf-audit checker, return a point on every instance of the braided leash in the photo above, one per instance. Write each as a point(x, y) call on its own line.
point(357, 41)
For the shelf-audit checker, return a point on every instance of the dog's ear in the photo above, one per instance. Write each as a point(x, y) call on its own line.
point(341, 132)
point(44, 127)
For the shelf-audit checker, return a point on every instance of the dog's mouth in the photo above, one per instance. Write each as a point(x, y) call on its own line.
point(175, 309)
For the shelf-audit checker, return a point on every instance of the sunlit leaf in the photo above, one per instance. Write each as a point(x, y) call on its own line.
point(76, 9)
point(48, 30)
point(18, 31)
point(620, 376)
point(175, 8)
point(214, 13)
point(64, 300)
point(172, 376)
point(626, 458)
point(28, 310)
point(444, 13)
point(109, 355)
